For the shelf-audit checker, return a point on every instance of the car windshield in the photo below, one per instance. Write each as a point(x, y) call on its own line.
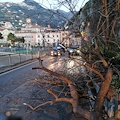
point(54, 49)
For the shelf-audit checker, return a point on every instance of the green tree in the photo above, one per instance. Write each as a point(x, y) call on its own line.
point(18, 39)
point(14, 39)
point(1, 37)
point(11, 37)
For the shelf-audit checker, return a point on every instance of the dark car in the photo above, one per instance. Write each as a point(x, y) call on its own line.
point(77, 51)
point(55, 52)
point(70, 51)
point(74, 51)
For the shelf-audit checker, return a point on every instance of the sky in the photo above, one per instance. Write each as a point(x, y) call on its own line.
point(53, 4)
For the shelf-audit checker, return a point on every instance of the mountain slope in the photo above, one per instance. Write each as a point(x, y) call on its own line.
point(16, 13)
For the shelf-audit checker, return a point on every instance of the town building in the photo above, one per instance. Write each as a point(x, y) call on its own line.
point(5, 32)
point(52, 36)
point(8, 25)
point(36, 35)
point(66, 38)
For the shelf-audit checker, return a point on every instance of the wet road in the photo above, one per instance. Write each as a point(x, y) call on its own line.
point(20, 86)
point(12, 79)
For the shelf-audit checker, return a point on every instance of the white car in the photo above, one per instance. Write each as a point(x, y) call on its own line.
point(55, 52)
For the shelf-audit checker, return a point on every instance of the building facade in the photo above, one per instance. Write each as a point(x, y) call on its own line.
point(5, 32)
point(66, 38)
point(36, 35)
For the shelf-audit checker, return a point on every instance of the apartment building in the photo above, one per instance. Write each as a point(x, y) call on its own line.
point(5, 32)
point(35, 35)
point(66, 38)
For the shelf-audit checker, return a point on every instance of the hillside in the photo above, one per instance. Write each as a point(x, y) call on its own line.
point(16, 13)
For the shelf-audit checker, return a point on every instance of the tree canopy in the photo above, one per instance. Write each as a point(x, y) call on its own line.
point(1, 37)
point(14, 39)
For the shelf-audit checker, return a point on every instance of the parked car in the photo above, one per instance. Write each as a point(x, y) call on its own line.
point(73, 51)
point(77, 51)
point(55, 52)
point(70, 51)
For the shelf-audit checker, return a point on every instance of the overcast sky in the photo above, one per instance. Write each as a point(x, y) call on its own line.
point(53, 4)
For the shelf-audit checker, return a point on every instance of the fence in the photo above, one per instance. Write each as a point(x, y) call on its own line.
point(10, 57)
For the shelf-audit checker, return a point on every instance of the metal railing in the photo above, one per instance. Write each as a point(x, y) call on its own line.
point(11, 57)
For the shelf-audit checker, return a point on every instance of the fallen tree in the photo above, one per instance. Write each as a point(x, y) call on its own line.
point(90, 115)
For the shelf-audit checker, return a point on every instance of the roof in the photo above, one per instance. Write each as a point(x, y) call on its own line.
point(48, 28)
point(2, 29)
point(36, 26)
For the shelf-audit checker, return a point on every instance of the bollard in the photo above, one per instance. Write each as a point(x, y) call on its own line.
point(10, 61)
point(20, 57)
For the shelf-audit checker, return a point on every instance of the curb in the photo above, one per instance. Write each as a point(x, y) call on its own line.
point(20, 64)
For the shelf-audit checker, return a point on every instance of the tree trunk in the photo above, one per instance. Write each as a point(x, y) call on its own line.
point(98, 107)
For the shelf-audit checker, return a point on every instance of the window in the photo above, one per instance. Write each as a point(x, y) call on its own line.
point(48, 36)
